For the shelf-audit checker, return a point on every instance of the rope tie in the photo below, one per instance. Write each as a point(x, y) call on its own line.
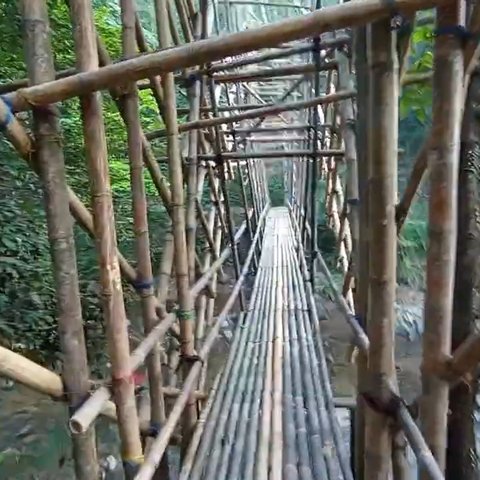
point(185, 314)
point(9, 117)
point(132, 465)
point(457, 31)
point(192, 78)
point(153, 430)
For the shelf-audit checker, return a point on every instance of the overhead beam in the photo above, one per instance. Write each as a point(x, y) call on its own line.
point(203, 51)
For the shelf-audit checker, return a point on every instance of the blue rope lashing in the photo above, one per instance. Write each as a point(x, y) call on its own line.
point(9, 117)
point(140, 285)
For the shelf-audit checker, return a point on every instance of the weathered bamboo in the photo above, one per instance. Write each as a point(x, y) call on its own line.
point(51, 164)
point(90, 409)
point(383, 127)
point(185, 300)
point(271, 73)
point(144, 281)
point(462, 399)
point(113, 306)
point(346, 15)
point(194, 114)
point(262, 154)
point(443, 165)
point(22, 370)
point(361, 293)
point(256, 113)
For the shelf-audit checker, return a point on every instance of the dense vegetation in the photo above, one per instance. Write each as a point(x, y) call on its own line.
point(27, 300)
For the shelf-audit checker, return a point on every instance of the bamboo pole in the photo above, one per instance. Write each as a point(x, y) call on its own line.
point(185, 300)
point(345, 15)
point(194, 92)
point(144, 281)
point(51, 164)
point(223, 185)
point(113, 306)
point(22, 370)
point(462, 398)
point(443, 162)
point(382, 255)
point(361, 293)
point(256, 113)
point(263, 74)
point(265, 154)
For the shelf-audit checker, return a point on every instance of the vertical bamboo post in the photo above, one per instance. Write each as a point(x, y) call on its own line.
point(144, 281)
point(382, 256)
point(186, 307)
point(443, 163)
point(462, 400)
point(194, 91)
point(51, 165)
point(361, 293)
point(114, 308)
point(224, 189)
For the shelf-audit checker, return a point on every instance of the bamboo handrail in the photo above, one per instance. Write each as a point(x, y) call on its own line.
point(258, 112)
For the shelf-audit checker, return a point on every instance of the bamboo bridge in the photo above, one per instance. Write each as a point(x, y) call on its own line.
point(315, 93)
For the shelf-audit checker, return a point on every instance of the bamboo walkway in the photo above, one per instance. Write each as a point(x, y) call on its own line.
point(272, 415)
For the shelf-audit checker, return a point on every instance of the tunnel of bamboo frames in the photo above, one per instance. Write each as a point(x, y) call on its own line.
point(314, 91)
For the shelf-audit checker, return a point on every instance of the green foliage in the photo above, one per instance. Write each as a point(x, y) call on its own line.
point(27, 295)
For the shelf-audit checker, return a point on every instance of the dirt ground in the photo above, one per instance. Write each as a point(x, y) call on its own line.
point(337, 335)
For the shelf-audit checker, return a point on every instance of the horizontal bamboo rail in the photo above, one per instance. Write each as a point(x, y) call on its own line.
point(257, 113)
point(203, 51)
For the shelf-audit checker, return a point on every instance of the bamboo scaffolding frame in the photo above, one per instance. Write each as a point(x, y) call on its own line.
point(349, 14)
point(443, 166)
point(290, 345)
point(258, 112)
point(113, 303)
point(51, 164)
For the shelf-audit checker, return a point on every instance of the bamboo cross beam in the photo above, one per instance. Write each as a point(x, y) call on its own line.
point(349, 14)
point(258, 113)
point(271, 129)
point(273, 154)
point(265, 4)
point(274, 139)
point(272, 73)
point(226, 108)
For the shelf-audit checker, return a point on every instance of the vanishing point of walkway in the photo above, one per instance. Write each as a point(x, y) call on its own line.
point(272, 416)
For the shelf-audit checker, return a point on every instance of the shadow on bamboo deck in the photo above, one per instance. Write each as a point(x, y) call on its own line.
point(272, 413)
